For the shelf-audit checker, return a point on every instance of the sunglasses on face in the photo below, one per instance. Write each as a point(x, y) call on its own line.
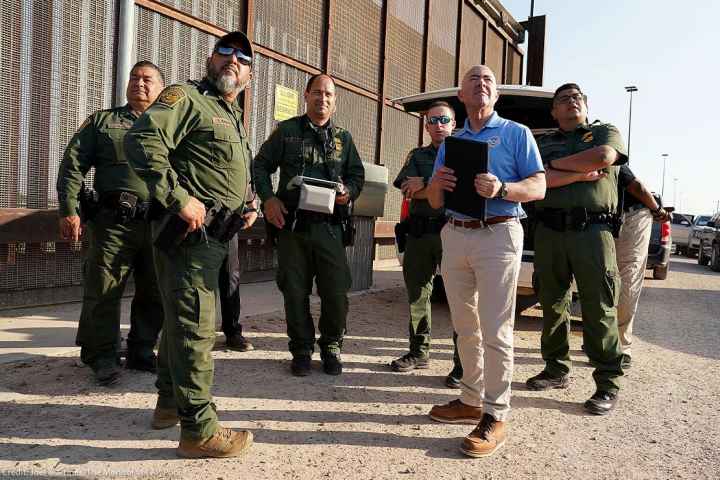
point(566, 99)
point(239, 54)
point(442, 119)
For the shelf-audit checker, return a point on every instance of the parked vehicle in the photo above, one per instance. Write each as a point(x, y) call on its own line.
point(699, 225)
point(709, 245)
point(681, 226)
point(659, 250)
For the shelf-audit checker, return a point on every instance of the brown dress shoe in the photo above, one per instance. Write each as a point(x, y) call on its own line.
point(456, 412)
point(164, 418)
point(224, 443)
point(487, 437)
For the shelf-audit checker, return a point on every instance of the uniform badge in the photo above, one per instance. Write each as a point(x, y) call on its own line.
point(493, 141)
point(338, 144)
point(171, 95)
point(588, 137)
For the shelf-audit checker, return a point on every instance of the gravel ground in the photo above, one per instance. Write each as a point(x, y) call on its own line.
point(372, 423)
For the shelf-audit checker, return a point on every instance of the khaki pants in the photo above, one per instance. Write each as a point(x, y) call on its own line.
point(480, 269)
point(632, 253)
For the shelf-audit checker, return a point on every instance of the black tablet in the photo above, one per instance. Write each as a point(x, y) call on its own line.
point(467, 158)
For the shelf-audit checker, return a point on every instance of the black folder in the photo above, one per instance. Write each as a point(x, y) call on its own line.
point(467, 158)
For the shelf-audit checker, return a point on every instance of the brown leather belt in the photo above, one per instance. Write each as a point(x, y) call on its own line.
point(473, 224)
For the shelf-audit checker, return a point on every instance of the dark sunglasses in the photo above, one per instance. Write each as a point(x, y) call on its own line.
point(443, 119)
point(239, 54)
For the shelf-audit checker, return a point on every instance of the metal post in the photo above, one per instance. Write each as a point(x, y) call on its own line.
point(126, 34)
point(662, 190)
point(630, 89)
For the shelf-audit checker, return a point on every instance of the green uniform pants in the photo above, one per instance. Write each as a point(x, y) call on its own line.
point(420, 262)
point(188, 277)
point(589, 257)
point(114, 252)
point(315, 252)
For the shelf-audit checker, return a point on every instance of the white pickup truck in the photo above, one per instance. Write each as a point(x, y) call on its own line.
point(681, 233)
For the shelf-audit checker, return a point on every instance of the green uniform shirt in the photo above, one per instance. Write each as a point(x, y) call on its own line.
point(191, 142)
point(599, 196)
point(98, 143)
point(419, 163)
point(295, 147)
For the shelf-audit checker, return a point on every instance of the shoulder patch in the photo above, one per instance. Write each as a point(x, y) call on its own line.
point(86, 122)
point(171, 95)
point(409, 157)
point(338, 144)
point(588, 137)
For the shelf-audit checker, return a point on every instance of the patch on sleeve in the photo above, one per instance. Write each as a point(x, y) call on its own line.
point(588, 137)
point(85, 123)
point(338, 144)
point(171, 95)
point(409, 157)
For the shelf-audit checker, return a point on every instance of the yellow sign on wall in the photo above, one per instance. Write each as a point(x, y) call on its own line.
point(286, 102)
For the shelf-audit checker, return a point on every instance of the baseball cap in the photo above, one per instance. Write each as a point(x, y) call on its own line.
point(236, 40)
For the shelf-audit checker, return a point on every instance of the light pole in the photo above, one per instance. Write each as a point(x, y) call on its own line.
point(630, 89)
point(662, 190)
point(675, 192)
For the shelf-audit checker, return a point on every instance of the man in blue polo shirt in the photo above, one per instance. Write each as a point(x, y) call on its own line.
point(481, 262)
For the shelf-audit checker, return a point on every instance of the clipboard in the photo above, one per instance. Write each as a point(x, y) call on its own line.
point(467, 158)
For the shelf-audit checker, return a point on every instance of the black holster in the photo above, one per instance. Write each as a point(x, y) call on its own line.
point(172, 230)
point(401, 232)
point(343, 216)
point(89, 203)
point(225, 224)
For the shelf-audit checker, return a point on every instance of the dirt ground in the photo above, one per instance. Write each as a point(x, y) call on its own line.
point(371, 423)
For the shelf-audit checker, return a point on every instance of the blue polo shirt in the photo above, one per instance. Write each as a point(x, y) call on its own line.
point(512, 156)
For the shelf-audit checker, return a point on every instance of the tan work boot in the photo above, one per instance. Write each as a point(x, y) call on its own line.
point(487, 437)
point(456, 412)
point(224, 443)
point(164, 417)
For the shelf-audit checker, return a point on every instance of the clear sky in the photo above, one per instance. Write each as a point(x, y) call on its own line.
point(665, 48)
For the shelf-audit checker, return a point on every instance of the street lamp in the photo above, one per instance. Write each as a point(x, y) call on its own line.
point(662, 190)
point(675, 192)
point(630, 89)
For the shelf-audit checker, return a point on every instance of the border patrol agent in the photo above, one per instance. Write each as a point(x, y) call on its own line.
point(192, 150)
point(574, 239)
point(420, 234)
point(118, 233)
point(311, 245)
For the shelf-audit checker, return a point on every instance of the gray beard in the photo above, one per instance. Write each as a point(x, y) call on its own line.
point(224, 84)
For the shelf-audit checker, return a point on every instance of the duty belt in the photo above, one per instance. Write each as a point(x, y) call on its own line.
point(125, 206)
point(577, 219)
point(417, 226)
